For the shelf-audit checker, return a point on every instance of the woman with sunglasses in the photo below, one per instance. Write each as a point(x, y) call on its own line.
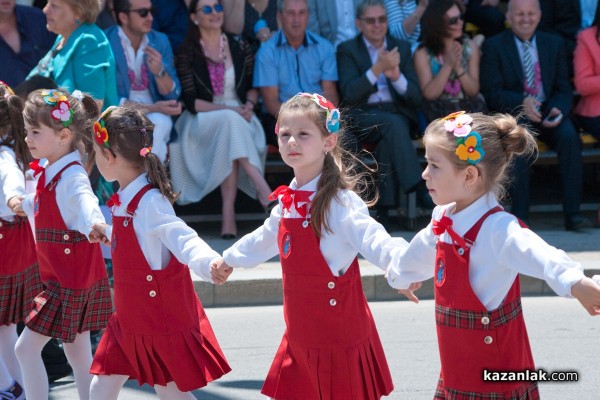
point(81, 57)
point(447, 62)
point(220, 140)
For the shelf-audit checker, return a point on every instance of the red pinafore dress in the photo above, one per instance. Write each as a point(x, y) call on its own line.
point(470, 337)
point(159, 332)
point(330, 349)
point(76, 296)
point(19, 276)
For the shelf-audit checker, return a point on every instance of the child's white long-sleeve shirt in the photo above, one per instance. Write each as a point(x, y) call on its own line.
point(353, 231)
point(502, 250)
point(160, 232)
point(77, 203)
point(12, 181)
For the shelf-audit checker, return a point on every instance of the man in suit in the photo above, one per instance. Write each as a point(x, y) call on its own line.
point(333, 19)
point(146, 77)
point(379, 86)
point(523, 69)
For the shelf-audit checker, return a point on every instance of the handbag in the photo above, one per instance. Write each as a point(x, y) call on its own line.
point(435, 109)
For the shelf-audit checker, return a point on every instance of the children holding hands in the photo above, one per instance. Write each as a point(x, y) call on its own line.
point(159, 333)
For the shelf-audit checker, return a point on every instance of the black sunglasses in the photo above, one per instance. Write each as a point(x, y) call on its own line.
point(218, 8)
point(142, 12)
point(371, 20)
point(454, 20)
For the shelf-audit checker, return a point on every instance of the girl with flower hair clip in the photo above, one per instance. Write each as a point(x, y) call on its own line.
point(159, 333)
point(477, 250)
point(75, 298)
point(331, 348)
point(19, 275)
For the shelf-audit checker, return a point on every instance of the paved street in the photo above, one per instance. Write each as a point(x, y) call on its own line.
point(563, 337)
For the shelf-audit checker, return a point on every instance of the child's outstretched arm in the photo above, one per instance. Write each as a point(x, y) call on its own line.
point(587, 291)
point(220, 271)
point(100, 233)
point(409, 293)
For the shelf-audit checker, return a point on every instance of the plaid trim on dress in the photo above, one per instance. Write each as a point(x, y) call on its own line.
point(59, 236)
point(17, 292)
point(529, 391)
point(62, 313)
point(468, 319)
point(11, 225)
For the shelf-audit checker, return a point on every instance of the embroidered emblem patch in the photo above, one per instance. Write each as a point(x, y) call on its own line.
point(440, 272)
point(286, 245)
point(36, 205)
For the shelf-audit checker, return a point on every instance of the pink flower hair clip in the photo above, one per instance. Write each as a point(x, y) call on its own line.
point(333, 113)
point(468, 142)
point(61, 108)
point(145, 150)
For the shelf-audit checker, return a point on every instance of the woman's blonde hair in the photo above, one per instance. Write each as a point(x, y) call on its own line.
point(502, 138)
point(86, 10)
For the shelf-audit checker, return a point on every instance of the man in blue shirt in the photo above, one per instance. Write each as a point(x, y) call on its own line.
point(294, 60)
point(23, 42)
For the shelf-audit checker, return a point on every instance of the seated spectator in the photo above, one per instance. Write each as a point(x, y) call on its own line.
point(485, 15)
point(587, 77)
point(447, 62)
point(220, 141)
point(256, 20)
point(404, 19)
point(146, 77)
point(106, 17)
point(525, 70)
point(333, 19)
point(171, 17)
point(379, 86)
point(81, 57)
point(566, 18)
point(294, 60)
point(24, 40)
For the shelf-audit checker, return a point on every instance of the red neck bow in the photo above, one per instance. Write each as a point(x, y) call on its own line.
point(300, 199)
point(36, 167)
point(445, 225)
point(114, 200)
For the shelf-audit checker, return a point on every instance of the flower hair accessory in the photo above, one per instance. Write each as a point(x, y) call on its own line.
point(77, 94)
point(100, 131)
point(468, 142)
point(333, 114)
point(9, 90)
point(61, 108)
point(145, 150)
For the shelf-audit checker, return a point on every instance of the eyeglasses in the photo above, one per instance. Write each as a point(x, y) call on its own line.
point(371, 20)
point(218, 8)
point(142, 12)
point(454, 20)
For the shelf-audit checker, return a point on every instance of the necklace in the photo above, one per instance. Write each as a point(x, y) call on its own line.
point(221, 57)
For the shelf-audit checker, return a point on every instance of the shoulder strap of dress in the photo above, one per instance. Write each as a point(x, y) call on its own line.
point(133, 204)
point(471, 235)
point(57, 177)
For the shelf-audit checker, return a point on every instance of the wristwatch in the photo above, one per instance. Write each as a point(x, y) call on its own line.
point(161, 73)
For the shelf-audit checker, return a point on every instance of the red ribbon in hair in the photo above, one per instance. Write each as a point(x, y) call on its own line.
point(300, 199)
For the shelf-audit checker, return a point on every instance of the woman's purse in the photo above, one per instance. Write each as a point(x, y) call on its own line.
point(435, 109)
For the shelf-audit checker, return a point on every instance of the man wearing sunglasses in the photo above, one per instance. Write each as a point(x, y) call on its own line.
point(379, 85)
point(294, 60)
point(525, 70)
point(146, 77)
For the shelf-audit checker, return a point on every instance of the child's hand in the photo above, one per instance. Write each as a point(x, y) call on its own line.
point(98, 234)
point(587, 291)
point(16, 206)
point(409, 292)
point(220, 271)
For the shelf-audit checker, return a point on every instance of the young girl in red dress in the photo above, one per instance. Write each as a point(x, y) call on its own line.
point(159, 333)
point(478, 250)
point(76, 297)
point(331, 348)
point(19, 276)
